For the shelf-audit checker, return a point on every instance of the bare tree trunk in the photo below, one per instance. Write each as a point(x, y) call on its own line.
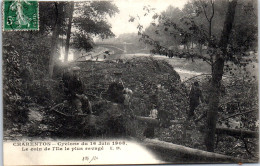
point(54, 39)
point(175, 151)
point(69, 32)
point(217, 73)
point(200, 48)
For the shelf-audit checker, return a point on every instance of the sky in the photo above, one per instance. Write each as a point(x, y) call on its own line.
point(128, 8)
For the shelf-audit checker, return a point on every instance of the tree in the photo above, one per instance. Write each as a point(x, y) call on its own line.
point(71, 9)
point(52, 27)
point(55, 35)
point(160, 32)
point(198, 25)
point(81, 41)
point(217, 73)
point(90, 20)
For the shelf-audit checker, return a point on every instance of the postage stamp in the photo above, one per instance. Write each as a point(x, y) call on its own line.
point(20, 15)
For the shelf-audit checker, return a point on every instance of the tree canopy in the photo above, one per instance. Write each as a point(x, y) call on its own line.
point(189, 27)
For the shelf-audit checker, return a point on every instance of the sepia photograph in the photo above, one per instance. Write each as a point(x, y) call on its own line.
point(130, 82)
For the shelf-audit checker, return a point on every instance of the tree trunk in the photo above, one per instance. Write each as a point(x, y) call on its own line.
point(176, 153)
point(69, 32)
point(54, 39)
point(217, 73)
point(237, 132)
point(219, 130)
point(200, 48)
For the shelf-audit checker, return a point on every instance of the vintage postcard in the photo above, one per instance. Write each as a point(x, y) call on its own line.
point(130, 82)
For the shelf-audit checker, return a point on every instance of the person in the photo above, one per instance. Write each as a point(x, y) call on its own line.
point(76, 93)
point(115, 90)
point(120, 111)
point(195, 97)
point(149, 132)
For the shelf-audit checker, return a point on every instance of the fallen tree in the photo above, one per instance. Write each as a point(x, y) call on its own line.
point(234, 115)
point(148, 120)
point(237, 132)
point(219, 130)
point(174, 152)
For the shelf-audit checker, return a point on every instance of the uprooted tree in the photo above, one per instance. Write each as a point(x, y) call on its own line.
point(195, 25)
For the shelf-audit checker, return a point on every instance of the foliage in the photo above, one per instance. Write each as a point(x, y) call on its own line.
point(143, 82)
point(82, 41)
point(91, 18)
point(160, 32)
point(12, 90)
point(244, 35)
point(37, 52)
point(189, 28)
point(143, 76)
point(18, 95)
point(130, 41)
point(48, 10)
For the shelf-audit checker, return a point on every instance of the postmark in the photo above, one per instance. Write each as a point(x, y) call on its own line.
point(20, 15)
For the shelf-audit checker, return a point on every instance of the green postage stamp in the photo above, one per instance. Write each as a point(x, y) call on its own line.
point(20, 15)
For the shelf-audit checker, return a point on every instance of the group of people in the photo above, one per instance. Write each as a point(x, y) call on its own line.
point(75, 93)
point(74, 89)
